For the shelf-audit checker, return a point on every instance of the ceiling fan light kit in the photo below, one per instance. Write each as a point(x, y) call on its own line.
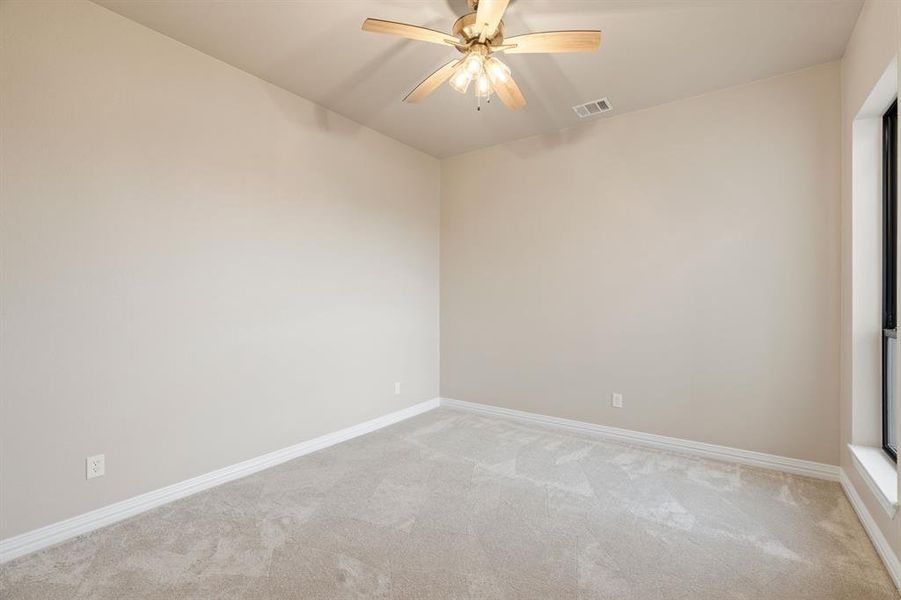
point(478, 35)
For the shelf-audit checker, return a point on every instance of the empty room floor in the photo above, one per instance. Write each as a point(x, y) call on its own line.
point(454, 504)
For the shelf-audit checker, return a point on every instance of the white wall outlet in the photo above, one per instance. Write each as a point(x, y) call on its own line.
point(616, 400)
point(397, 388)
point(95, 466)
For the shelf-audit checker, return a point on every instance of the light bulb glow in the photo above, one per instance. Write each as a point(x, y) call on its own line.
point(497, 71)
point(473, 64)
point(460, 81)
point(483, 86)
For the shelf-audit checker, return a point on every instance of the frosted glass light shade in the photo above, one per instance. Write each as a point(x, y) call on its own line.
point(460, 80)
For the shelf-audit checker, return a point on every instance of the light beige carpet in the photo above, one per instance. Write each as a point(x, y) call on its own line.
point(457, 505)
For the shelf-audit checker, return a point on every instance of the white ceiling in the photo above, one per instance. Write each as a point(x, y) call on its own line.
point(652, 51)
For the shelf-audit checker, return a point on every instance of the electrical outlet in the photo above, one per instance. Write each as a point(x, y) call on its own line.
point(616, 400)
point(95, 466)
point(397, 388)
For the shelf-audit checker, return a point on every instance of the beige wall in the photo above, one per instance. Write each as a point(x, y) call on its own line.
point(197, 267)
point(686, 256)
point(873, 45)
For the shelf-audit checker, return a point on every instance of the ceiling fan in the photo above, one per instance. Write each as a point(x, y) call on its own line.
point(478, 35)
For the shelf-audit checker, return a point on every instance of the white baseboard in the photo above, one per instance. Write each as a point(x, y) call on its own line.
point(712, 451)
point(55, 533)
point(889, 559)
point(37, 539)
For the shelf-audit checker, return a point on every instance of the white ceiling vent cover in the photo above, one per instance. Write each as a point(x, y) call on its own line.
point(595, 107)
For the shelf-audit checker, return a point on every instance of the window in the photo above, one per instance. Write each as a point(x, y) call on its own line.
point(889, 266)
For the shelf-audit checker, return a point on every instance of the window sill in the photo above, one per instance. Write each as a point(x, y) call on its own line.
point(879, 473)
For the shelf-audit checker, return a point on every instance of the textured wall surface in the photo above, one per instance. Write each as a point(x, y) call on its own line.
point(197, 267)
point(686, 256)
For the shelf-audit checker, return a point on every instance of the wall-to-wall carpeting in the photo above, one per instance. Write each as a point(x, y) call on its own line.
point(456, 505)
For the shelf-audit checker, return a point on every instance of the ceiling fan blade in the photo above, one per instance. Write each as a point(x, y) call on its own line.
point(413, 32)
point(554, 41)
point(431, 83)
point(509, 93)
point(488, 17)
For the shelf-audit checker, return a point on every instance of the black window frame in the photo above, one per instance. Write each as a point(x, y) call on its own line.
point(889, 257)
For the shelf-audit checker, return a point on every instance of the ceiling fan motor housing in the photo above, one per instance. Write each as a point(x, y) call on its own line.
point(465, 27)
